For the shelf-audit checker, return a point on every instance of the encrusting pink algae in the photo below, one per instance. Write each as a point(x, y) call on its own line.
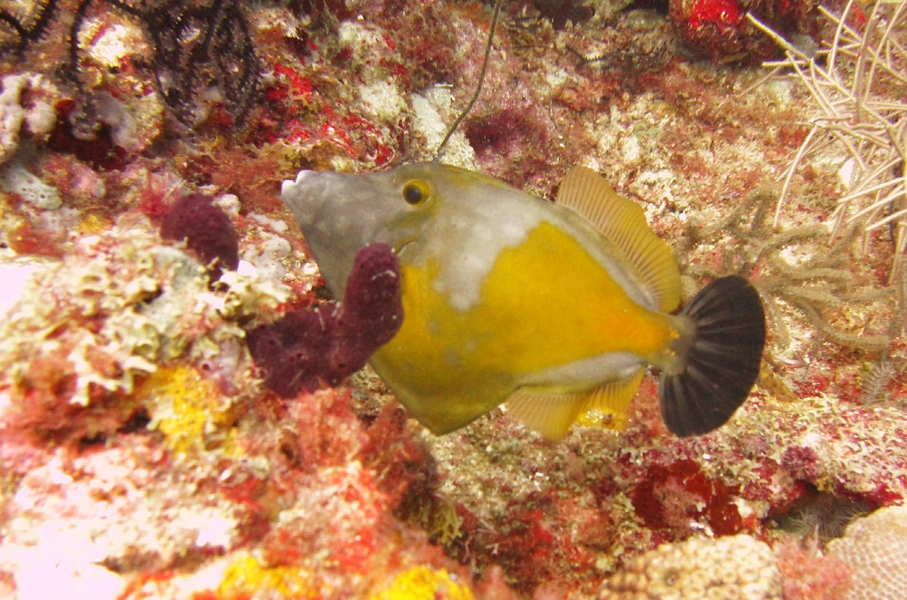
point(146, 256)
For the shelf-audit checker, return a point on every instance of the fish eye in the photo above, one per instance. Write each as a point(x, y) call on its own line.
point(415, 192)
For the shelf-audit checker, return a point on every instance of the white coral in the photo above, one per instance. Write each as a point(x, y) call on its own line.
point(876, 549)
point(738, 567)
point(90, 300)
point(71, 516)
point(118, 306)
point(39, 116)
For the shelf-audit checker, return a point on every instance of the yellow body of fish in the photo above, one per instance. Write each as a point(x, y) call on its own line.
point(554, 308)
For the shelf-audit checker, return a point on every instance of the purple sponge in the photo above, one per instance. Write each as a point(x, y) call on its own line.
point(207, 230)
point(310, 349)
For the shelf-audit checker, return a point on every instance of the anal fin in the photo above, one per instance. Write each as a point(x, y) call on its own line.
point(612, 400)
point(552, 413)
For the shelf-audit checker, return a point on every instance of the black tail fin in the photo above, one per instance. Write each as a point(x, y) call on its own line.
point(722, 361)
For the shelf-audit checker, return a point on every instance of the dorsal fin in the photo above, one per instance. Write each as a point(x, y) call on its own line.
point(623, 222)
point(552, 413)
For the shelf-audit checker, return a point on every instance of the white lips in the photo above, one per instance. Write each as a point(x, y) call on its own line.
point(288, 185)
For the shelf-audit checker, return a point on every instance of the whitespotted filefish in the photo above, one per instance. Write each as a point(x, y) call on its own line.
point(554, 308)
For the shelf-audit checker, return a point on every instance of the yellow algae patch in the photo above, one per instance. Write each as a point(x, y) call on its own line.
point(441, 521)
point(188, 409)
point(93, 224)
point(423, 583)
point(247, 578)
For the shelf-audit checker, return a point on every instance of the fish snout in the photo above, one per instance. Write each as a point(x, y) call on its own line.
point(305, 195)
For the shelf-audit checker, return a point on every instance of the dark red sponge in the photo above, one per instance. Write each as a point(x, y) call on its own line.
point(310, 349)
point(207, 230)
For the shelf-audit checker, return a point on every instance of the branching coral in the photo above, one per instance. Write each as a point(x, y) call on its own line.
point(196, 44)
point(857, 83)
point(817, 285)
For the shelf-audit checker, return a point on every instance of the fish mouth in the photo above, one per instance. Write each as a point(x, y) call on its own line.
point(399, 246)
point(311, 194)
point(289, 184)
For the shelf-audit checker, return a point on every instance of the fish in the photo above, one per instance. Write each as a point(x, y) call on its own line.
point(554, 309)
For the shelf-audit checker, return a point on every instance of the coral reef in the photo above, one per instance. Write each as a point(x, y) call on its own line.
point(147, 448)
point(856, 95)
point(421, 582)
point(720, 29)
point(85, 329)
point(815, 286)
point(193, 45)
point(807, 573)
point(873, 547)
point(730, 567)
point(38, 115)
